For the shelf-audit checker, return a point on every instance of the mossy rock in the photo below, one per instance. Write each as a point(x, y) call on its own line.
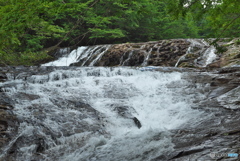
point(51, 50)
point(191, 56)
point(237, 56)
point(228, 44)
point(225, 40)
point(237, 42)
point(233, 55)
point(136, 46)
point(187, 64)
point(195, 48)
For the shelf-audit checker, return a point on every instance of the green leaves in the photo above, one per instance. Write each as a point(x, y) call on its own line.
point(222, 17)
point(24, 17)
point(32, 25)
point(107, 33)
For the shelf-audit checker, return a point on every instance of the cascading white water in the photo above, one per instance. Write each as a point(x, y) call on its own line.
point(145, 62)
point(105, 48)
point(88, 53)
point(209, 55)
point(102, 132)
point(189, 50)
point(129, 57)
point(84, 54)
point(68, 59)
point(206, 57)
point(202, 54)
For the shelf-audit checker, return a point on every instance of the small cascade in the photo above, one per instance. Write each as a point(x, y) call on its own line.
point(143, 46)
point(209, 55)
point(191, 52)
point(180, 60)
point(91, 53)
point(194, 44)
point(99, 55)
point(127, 60)
point(145, 62)
point(204, 53)
point(68, 59)
point(183, 57)
point(121, 60)
point(87, 53)
point(158, 49)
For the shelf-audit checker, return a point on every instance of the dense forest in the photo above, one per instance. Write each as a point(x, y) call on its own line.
point(29, 29)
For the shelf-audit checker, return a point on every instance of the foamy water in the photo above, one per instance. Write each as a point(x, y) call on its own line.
point(156, 99)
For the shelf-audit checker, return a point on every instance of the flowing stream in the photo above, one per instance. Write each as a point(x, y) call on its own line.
point(79, 113)
point(96, 113)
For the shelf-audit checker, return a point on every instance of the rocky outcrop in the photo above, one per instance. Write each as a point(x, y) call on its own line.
point(230, 55)
point(215, 138)
point(125, 112)
point(156, 53)
point(191, 53)
point(218, 135)
point(8, 121)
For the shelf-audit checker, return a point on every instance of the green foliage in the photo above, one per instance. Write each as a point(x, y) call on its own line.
point(237, 42)
point(25, 23)
point(26, 58)
point(217, 18)
point(28, 26)
point(226, 17)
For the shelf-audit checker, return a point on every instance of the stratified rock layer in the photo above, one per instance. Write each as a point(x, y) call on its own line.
point(160, 53)
point(194, 53)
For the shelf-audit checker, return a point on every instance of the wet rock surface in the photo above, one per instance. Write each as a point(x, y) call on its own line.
point(14, 141)
point(185, 53)
point(230, 55)
point(8, 121)
point(219, 134)
point(190, 53)
point(156, 53)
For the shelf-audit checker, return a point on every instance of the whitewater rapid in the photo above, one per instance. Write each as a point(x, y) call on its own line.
point(75, 113)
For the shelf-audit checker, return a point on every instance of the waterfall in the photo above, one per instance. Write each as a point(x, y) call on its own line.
point(182, 57)
point(145, 62)
point(209, 55)
point(85, 55)
point(118, 102)
point(189, 50)
point(121, 60)
point(127, 60)
point(97, 52)
point(68, 59)
point(160, 53)
point(98, 113)
point(104, 49)
point(206, 56)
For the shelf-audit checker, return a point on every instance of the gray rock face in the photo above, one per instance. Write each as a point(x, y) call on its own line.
point(125, 112)
point(220, 134)
point(8, 121)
